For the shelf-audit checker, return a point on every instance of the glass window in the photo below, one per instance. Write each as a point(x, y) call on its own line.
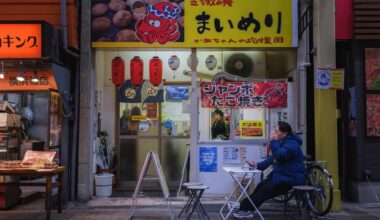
point(176, 111)
point(138, 119)
point(214, 124)
point(250, 123)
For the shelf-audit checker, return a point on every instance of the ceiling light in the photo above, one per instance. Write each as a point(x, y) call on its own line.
point(35, 78)
point(2, 72)
point(21, 76)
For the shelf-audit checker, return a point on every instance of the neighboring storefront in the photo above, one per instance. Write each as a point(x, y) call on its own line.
point(358, 50)
point(243, 63)
point(34, 93)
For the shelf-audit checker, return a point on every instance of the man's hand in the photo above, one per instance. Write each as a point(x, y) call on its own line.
point(273, 135)
point(252, 164)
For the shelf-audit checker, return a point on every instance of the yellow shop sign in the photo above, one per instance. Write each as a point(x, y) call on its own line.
point(200, 23)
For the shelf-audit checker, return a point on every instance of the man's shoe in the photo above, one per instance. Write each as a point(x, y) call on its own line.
point(243, 214)
point(234, 206)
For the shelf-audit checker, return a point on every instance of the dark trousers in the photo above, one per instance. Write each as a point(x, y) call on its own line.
point(264, 190)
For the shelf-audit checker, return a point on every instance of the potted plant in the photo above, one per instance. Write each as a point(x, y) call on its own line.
point(105, 162)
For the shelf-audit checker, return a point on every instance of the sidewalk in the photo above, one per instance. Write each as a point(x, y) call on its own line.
point(155, 208)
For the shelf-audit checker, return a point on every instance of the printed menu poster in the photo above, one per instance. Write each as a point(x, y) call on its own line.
point(208, 159)
point(373, 114)
point(31, 155)
point(252, 128)
point(234, 154)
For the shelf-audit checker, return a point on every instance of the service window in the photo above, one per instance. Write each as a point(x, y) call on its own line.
point(238, 124)
point(250, 123)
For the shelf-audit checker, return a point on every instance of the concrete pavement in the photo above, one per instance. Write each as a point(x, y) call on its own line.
point(155, 208)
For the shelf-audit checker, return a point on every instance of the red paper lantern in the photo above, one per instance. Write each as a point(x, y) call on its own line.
point(118, 69)
point(155, 71)
point(137, 71)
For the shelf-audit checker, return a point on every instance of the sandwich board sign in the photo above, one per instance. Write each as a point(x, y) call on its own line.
point(160, 177)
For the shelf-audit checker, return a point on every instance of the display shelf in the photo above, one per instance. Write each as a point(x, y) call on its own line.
point(10, 144)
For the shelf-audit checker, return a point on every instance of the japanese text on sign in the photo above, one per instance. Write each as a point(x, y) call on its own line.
point(205, 23)
point(329, 78)
point(20, 41)
point(251, 128)
point(248, 23)
point(244, 95)
point(257, 23)
point(224, 3)
point(208, 159)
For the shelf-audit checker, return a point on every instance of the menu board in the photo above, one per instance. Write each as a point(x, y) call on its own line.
point(234, 154)
point(251, 128)
point(31, 155)
point(373, 115)
point(372, 70)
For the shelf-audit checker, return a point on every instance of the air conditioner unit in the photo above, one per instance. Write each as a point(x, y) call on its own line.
point(250, 64)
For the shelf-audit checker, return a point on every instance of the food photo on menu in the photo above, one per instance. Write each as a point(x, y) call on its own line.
point(147, 21)
point(34, 160)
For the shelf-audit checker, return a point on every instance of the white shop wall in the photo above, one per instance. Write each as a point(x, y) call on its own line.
point(106, 96)
point(266, 64)
point(221, 183)
point(105, 88)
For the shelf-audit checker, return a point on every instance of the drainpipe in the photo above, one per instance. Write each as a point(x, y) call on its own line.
point(72, 172)
point(64, 30)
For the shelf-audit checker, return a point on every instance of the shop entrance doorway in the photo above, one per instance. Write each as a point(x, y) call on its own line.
point(160, 127)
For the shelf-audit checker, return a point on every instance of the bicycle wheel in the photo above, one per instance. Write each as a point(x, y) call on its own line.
point(320, 200)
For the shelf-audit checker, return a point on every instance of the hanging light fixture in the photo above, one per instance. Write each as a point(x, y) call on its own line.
point(211, 62)
point(137, 71)
point(21, 76)
point(174, 63)
point(155, 71)
point(35, 78)
point(189, 61)
point(2, 72)
point(118, 69)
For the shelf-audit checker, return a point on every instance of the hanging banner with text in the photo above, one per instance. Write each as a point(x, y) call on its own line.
point(329, 79)
point(244, 94)
point(194, 23)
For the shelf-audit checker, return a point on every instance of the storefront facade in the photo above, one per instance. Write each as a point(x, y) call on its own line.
point(357, 51)
point(180, 118)
point(255, 44)
point(37, 78)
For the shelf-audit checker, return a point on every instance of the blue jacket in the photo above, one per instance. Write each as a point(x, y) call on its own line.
point(288, 161)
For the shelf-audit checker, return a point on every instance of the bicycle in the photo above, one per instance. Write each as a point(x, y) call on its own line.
point(320, 200)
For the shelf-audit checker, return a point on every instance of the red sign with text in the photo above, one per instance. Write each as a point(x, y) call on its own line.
point(244, 94)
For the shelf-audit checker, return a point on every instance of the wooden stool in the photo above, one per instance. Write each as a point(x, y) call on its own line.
point(196, 193)
point(302, 198)
point(186, 208)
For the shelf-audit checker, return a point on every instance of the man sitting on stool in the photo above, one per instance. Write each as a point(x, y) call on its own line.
point(289, 170)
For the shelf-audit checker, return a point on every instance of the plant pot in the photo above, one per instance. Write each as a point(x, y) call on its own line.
point(103, 184)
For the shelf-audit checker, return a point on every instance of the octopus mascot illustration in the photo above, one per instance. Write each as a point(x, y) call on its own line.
point(160, 24)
